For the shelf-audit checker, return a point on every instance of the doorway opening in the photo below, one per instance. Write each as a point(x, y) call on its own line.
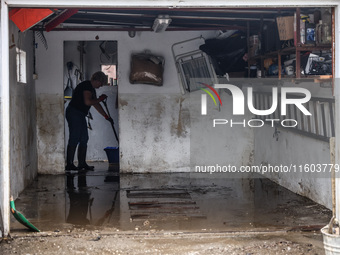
point(81, 60)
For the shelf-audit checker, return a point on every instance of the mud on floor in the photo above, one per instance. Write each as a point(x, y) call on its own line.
point(98, 242)
point(102, 212)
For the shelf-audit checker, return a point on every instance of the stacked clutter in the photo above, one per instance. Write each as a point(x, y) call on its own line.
point(318, 65)
point(311, 64)
point(315, 28)
point(254, 46)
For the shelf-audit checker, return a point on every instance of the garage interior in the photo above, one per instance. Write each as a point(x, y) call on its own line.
point(153, 185)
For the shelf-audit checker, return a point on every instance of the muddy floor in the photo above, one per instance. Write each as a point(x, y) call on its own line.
point(80, 241)
point(102, 212)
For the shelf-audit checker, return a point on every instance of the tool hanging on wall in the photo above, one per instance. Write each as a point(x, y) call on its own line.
point(69, 88)
point(79, 74)
point(89, 117)
point(109, 50)
point(41, 36)
point(89, 125)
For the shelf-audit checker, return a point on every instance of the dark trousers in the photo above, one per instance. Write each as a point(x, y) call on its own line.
point(78, 133)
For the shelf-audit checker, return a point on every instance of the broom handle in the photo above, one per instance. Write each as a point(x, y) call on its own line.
point(112, 123)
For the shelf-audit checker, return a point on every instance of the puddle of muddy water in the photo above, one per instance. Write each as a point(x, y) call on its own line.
point(176, 202)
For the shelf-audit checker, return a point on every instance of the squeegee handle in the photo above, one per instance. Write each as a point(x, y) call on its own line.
point(112, 124)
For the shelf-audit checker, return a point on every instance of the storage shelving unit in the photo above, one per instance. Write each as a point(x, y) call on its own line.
point(297, 51)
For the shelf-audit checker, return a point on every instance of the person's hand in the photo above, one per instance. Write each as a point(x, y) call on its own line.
point(102, 97)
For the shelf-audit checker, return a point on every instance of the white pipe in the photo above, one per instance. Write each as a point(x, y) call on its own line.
point(5, 121)
point(168, 3)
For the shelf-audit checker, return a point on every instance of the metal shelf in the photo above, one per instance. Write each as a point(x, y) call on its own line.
point(295, 50)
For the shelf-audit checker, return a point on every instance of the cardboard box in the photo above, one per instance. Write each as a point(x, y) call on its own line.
point(285, 25)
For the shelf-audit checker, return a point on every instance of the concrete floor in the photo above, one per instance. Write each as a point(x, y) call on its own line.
point(101, 212)
point(164, 202)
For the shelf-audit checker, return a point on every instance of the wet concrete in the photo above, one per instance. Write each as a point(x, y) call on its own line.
point(164, 202)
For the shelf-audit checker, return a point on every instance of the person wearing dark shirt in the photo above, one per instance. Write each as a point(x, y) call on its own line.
point(84, 96)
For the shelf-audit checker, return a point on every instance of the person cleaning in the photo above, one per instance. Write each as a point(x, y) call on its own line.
point(84, 96)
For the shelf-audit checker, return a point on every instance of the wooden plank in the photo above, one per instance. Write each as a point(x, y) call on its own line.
point(137, 217)
point(298, 43)
point(182, 202)
point(162, 208)
point(297, 20)
point(158, 195)
point(168, 213)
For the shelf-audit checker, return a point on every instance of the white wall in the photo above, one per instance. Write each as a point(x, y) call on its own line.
point(22, 116)
point(154, 122)
point(297, 150)
point(222, 145)
point(50, 104)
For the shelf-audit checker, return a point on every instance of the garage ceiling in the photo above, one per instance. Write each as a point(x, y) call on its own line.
point(142, 19)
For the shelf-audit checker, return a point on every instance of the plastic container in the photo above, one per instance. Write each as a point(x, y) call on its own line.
point(317, 16)
point(327, 25)
point(331, 242)
point(326, 17)
point(303, 34)
point(253, 40)
point(326, 34)
point(112, 154)
point(319, 33)
point(310, 33)
point(253, 71)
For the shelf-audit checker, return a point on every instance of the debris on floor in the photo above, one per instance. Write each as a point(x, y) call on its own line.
point(102, 212)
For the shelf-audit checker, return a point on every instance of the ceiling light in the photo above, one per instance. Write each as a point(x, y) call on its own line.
point(161, 23)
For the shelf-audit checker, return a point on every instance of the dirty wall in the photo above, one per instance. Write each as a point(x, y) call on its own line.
point(292, 148)
point(23, 140)
point(287, 148)
point(153, 121)
point(50, 69)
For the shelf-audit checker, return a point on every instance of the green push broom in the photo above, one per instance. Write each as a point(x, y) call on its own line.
point(21, 218)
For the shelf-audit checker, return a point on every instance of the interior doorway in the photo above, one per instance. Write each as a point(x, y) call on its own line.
point(81, 60)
